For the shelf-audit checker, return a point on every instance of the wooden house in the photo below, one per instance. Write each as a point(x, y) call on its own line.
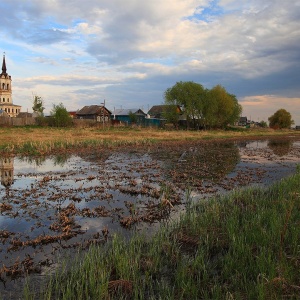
point(157, 111)
point(94, 112)
point(243, 121)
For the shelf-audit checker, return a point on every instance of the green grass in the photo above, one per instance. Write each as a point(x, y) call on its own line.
point(245, 245)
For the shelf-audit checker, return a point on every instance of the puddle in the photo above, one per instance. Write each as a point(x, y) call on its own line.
point(51, 204)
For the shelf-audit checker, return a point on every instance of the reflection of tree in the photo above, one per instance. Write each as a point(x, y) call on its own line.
point(7, 171)
point(280, 147)
point(59, 159)
point(190, 164)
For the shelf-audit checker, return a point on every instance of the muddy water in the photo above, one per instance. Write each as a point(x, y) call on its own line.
point(52, 204)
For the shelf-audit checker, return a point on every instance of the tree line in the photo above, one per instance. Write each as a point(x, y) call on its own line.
point(210, 108)
point(201, 108)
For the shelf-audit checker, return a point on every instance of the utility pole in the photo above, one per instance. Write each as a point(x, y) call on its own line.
point(103, 115)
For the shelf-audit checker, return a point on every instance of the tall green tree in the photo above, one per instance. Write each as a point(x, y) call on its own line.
point(281, 119)
point(189, 96)
point(38, 105)
point(223, 108)
point(60, 115)
point(213, 108)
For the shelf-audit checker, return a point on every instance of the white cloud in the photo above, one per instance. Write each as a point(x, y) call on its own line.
point(133, 50)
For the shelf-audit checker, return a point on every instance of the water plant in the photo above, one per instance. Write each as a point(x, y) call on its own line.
point(244, 245)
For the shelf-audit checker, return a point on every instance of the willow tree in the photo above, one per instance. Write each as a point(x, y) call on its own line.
point(222, 108)
point(213, 108)
point(189, 96)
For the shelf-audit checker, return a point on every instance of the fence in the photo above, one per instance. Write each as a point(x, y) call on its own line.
point(7, 121)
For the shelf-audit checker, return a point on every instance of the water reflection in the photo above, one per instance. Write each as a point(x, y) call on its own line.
point(200, 166)
point(56, 160)
point(67, 201)
point(280, 147)
point(7, 171)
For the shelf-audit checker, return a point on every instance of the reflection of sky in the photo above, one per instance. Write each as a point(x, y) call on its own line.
point(46, 166)
point(28, 172)
point(91, 182)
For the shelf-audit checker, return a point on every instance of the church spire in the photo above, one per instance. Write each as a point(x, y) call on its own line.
point(4, 65)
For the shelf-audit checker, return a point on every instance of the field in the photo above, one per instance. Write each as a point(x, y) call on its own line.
point(45, 140)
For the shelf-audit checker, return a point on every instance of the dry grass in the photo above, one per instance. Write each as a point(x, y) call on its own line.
point(18, 136)
point(47, 140)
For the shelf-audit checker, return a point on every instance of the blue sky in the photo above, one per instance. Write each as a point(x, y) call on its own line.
point(129, 52)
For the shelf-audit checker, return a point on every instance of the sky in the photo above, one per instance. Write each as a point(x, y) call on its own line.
point(127, 53)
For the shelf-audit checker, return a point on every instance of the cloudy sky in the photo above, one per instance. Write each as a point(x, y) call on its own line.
point(129, 52)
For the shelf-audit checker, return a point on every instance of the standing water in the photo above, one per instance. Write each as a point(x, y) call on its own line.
point(51, 204)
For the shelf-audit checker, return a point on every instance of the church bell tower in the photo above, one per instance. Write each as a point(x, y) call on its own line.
point(6, 103)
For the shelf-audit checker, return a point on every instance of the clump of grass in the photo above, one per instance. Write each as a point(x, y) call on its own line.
point(241, 246)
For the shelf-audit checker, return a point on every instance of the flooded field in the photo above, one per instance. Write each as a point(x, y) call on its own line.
point(67, 202)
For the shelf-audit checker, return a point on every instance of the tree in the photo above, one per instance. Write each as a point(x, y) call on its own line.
point(171, 114)
point(60, 115)
point(263, 124)
point(222, 108)
point(205, 108)
point(38, 105)
point(132, 117)
point(188, 95)
point(281, 119)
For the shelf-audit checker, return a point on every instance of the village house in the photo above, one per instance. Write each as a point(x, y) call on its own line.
point(94, 112)
point(243, 121)
point(72, 114)
point(128, 116)
point(6, 103)
point(157, 111)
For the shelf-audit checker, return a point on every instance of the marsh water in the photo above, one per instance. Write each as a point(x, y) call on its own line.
point(50, 205)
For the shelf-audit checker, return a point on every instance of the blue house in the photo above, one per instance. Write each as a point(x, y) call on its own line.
point(129, 116)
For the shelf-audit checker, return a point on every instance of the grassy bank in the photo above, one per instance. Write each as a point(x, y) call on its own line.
point(44, 140)
point(241, 246)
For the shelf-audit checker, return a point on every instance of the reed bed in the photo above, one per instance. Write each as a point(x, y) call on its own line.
point(44, 140)
point(244, 245)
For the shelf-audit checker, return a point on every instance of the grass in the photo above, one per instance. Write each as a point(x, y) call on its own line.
point(244, 245)
point(44, 140)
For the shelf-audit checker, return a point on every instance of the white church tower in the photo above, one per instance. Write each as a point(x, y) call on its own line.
point(6, 103)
